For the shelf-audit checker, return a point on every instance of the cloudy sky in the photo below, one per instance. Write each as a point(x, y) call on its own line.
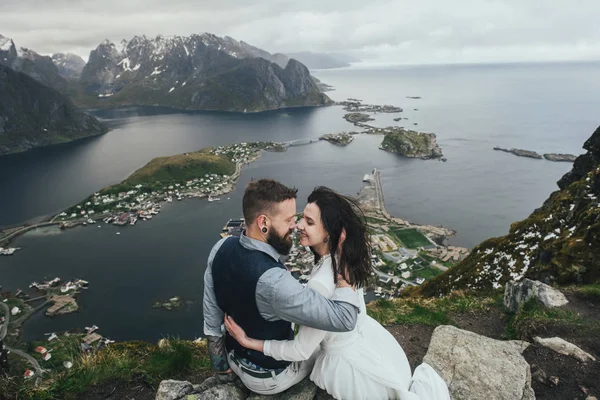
point(394, 32)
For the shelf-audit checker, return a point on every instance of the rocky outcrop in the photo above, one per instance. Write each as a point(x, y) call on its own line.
point(33, 115)
point(559, 242)
point(411, 144)
point(229, 387)
point(518, 293)
point(520, 152)
point(477, 367)
point(563, 347)
point(199, 72)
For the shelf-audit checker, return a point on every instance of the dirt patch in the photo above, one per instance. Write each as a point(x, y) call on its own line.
point(414, 340)
point(138, 390)
point(490, 323)
point(576, 380)
point(586, 306)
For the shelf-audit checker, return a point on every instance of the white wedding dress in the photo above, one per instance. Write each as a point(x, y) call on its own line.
point(366, 363)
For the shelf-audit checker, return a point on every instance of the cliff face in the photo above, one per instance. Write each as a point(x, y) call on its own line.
point(559, 242)
point(34, 115)
point(411, 144)
point(200, 72)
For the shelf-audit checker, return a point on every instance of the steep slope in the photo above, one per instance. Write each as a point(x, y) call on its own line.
point(199, 72)
point(34, 115)
point(41, 68)
point(69, 65)
point(559, 242)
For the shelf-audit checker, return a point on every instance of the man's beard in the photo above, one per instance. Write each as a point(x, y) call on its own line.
point(283, 244)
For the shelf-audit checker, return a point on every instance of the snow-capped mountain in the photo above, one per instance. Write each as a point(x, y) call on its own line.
point(69, 65)
point(39, 67)
point(197, 72)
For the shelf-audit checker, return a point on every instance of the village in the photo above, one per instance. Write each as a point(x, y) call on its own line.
point(128, 204)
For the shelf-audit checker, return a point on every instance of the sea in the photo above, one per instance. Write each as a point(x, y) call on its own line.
point(478, 192)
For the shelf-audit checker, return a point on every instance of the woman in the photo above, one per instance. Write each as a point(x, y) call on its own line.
point(366, 363)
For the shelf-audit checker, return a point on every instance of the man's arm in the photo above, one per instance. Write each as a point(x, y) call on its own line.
point(213, 319)
point(280, 296)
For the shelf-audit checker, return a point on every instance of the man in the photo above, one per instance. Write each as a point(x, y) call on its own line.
point(245, 279)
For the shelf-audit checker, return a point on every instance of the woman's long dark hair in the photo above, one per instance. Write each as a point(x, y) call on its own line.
point(337, 213)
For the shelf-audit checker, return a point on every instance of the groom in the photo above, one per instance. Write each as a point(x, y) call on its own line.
point(245, 279)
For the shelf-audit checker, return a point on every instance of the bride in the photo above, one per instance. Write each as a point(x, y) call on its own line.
point(366, 363)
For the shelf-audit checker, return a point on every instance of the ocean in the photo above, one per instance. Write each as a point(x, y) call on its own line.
point(479, 192)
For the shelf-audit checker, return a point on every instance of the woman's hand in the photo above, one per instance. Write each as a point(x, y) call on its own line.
point(236, 331)
point(239, 335)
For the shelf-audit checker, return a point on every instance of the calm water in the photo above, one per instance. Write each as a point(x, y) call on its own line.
point(478, 192)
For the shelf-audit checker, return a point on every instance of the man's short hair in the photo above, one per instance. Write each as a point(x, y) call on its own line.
point(261, 196)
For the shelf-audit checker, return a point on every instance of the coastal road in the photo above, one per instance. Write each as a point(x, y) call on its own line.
point(25, 229)
point(38, 370)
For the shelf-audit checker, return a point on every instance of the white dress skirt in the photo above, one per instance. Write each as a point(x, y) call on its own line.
point(366, 363)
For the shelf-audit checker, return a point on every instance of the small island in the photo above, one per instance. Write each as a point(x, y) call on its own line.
point(339, 139)
point(411, 144)
point(560, 157)
point(357, 117)
point(174, 303)
point(356, 106)
point(557, 157)
point(520, 152)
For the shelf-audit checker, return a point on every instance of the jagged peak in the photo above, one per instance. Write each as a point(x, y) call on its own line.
point(6, 43)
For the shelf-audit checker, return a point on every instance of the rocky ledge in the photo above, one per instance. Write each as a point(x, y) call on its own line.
point(411, 144)
point(560, 157)
point(339, 139)
point(520, 152)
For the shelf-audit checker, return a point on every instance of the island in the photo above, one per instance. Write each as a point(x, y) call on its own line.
point(355, 105)
point(411, 144)
point(560, 157)
point(357, 118)
point(339, 139)
point(520, 152)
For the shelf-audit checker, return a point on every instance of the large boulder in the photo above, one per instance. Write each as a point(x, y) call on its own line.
point(477, 367)
point(517, 293)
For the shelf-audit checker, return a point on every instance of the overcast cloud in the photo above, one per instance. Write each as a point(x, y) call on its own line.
point(394, 32)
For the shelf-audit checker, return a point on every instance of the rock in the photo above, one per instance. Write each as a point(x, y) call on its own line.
point(517, 293)
point(553, 380)
point(323, 395)
point(477, 367)
point(563, 347)
point(207, 384)
point(305, 390)
point(228, 391)
point(560, 157)
point(173, 390)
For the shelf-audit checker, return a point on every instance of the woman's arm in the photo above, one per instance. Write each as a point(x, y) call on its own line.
point(301, 348)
